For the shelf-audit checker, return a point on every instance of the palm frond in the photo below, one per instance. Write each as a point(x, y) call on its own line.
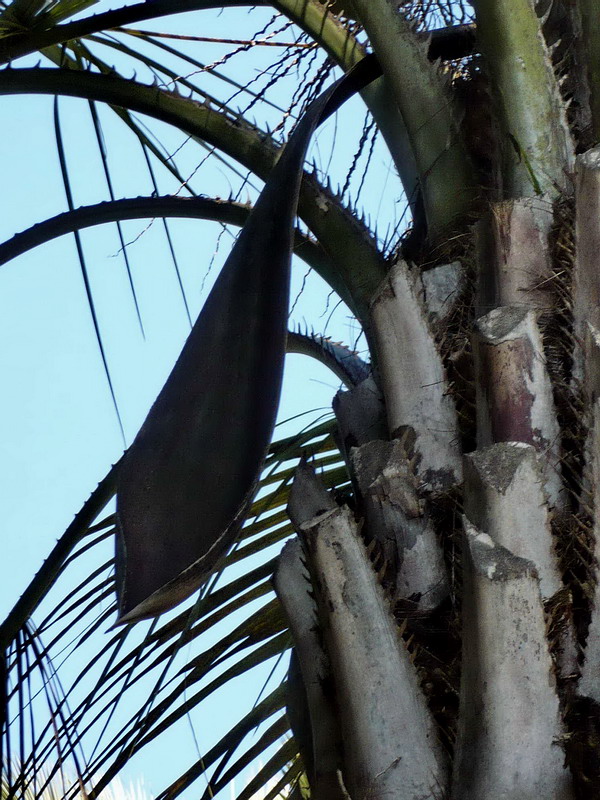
point(84, 725)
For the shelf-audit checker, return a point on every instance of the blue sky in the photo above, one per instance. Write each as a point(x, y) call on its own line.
point(59, 428)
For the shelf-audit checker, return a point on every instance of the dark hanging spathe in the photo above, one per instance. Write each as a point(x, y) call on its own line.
point(188, 478)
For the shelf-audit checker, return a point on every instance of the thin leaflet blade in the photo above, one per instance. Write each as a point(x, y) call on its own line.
point(191, 472)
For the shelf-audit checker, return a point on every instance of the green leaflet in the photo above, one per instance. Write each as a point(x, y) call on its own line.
point(231, 741)
point(187, 480)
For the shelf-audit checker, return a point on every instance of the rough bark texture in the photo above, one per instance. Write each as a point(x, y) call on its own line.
point(414, 380)
point(586, 277)
point(391, 747)
point(513, 256)
point(510, 718)
point(589, 684)
point(504, 496)
point(515, 402)
point(292, 584)
point(440, 289)
point(396, 517)
point(360, 415)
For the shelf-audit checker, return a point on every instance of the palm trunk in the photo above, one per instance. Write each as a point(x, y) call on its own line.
point(476, 509)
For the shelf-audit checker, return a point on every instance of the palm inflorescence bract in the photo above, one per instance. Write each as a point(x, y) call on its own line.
point(436, 597)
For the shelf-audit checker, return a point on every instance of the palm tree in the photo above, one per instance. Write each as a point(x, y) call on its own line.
point(440, 595)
